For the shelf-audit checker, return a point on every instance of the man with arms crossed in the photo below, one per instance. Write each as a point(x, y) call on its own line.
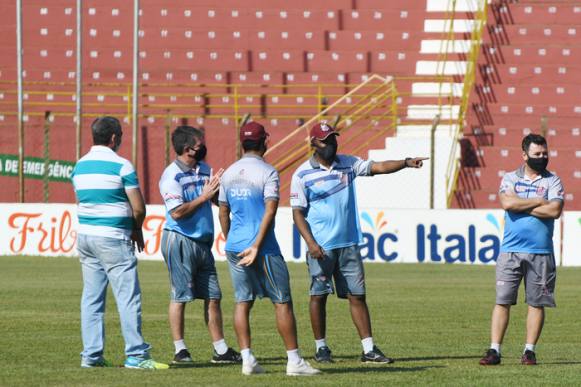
point(187, 190)
point(532, 198)
point(249, 192)
point(325, 213)
point(111, 211)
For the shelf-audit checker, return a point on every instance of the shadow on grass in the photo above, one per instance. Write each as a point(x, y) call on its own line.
point(560, 362)
point(377, 368)
point(427, 358)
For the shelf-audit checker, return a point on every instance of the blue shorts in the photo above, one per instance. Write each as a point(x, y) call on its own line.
point(192, 272)
point(267, 276)
point(344, 265)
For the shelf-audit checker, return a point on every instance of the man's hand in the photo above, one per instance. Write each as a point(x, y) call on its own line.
point(416, 162)
point(137, 240)
point(316, 251)
point(212, 186)
point(248, 256)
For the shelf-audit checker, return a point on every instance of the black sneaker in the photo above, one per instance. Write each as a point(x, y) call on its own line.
point(182, 357)
point(375, 356)
point(323, 355)
point(491, 357)
point(529, 358)
point(230, 357)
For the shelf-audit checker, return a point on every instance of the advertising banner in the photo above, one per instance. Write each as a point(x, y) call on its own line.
point(58, 170)
point(388, 235)
point(572, 238)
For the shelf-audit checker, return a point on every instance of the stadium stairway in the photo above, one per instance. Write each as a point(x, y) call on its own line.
point(529, 80)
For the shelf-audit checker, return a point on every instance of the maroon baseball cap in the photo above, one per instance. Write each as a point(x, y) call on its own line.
point(321, 131)
point(252, 131)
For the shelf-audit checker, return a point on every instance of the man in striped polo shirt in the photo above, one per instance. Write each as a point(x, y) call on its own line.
point(325, 213)
point(111, 211)
point(187, 190)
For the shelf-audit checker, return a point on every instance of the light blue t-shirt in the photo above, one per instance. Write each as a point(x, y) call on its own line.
point(327, 197)
point(246, 186)
point(523, 232)
point(180, 184)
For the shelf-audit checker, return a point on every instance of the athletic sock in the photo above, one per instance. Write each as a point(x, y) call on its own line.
point(220, 347)
point(495, 346)
point(294, 357)
point(367, 344)
point(247, 356)
point(179, 345)
point(321, 343)
point(529, 347)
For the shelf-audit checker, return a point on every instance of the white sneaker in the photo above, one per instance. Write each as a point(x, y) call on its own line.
point(252, 367)
point(301, 369)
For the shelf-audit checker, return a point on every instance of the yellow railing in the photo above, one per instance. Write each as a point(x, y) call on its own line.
point(453, 167)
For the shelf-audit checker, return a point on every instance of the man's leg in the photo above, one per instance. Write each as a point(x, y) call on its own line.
point(176, 312)
point(242, 323)
point(318, 311)
point(535, 321)
point(286, 325)
point(122, 273)
point(213, 318)
point(500, 318)
point(92, 305)
point(360, 315)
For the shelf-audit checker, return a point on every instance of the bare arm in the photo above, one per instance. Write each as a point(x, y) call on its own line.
point(224, 216)
point(249, 255)
point(315, 250)
point(209, 191)
point(511, 202)
point(138, 206)
point(391, 166)
point(549, 210)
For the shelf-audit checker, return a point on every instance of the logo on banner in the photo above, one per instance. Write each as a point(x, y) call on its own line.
point(470, 246)
point(377, 244)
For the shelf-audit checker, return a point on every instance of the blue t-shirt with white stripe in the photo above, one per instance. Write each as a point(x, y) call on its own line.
point(100, 179)
point(328, 199)
point(245, 187)
point(523, 232)
point(180, 184)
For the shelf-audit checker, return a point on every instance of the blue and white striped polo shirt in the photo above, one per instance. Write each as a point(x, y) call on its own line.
point(245, 187)
point(100, 179)
point(180, 184)
point(523, 232)
point(328, 198)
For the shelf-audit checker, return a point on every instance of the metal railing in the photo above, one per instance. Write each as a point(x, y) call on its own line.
point(453, 166)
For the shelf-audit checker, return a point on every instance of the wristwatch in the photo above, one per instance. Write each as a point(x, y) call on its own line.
point(406, 162)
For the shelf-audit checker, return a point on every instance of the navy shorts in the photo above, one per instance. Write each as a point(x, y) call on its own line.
point(267, 276)
point(192, 271)
point(344, 265)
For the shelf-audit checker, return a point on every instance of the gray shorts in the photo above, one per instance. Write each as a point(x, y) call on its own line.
point(344, 265)
point(192, 271)
point(539, 272)
point(267, 276)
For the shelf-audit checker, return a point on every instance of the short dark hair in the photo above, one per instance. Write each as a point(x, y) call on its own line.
point(184, 136)
point(103, 128)
point(251, 145)
point(532, 139)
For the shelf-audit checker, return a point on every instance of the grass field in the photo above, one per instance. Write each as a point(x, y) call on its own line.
point(434, 319)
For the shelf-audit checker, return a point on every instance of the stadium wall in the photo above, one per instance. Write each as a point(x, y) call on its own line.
point(397, 236)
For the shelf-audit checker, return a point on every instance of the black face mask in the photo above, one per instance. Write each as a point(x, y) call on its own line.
point(327, 153)
point(538, 164)
point(201, 153)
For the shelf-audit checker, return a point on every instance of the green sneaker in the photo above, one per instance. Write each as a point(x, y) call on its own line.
point(100, 363)
point(144, 364)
